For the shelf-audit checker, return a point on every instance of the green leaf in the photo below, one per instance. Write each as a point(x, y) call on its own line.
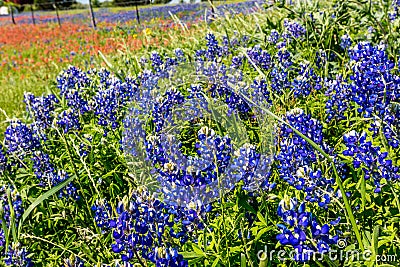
point(261, 232)
point(246, 205)
point(215, 262)
point(242, 260)
point(191, 255)
point(261, 218)
point(43, 197)
point(375, 239)
point(198, 250)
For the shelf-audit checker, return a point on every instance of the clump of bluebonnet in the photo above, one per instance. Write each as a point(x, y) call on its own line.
point(41, 109)
point(73, 84)
point(16, 255)
point(260, 87)
point(369, 159)
point(185, 179)
point(69, 120)
point(302, 231)
point(296, 158)
point(112, 94)
point(260, 57)
point(293, 30)
point(214, 50)
point(70, 190)
point(16, 201)
point(340, 98)
point(48, 175)
point(145, 228)
point(306, 81)
point(180, 56)
point(237, 62)
point(280, 71)
point(20, 139)
point(3, 160)
point(396, 10)
point(376, 89)
point(321, 58)
point(273, 37)
point(345, 42)
point(102, 215)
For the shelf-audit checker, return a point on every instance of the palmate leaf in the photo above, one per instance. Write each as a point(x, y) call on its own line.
point(42, 198)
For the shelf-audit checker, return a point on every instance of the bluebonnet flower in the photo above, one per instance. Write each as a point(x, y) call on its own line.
point(85, 147)
point(69, 120)
point(396, 10)
point(111, 96)
point(345, 41)
point(142, 228)
point(225, 46)
point(214, 50)
point(279, 73)
point(17, 256)
point(340, 94)
point(156, 60)
point(41, 109)
point(273, 37)
point(187, 178)
point(260, 87)
point(260, 57)
point(391, 126)
point(293, 30)
point(20, 139)
point(281, 45)
point(72, 84)
point(298, 223)
point(180, 55)
point(374, 163)
point(246, 166)
point(374, 87)
point(199, 54)
point(306, 81)
point(16, 201)
point(162, 108)
point(237, 62)
point(48, 175)
point(296, 158)
point(3, 160)
point(102, 215)
point(169, 257)
point(42, 167)
point(69, 191)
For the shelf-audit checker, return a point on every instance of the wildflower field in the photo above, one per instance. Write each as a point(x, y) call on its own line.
point(241, 134)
